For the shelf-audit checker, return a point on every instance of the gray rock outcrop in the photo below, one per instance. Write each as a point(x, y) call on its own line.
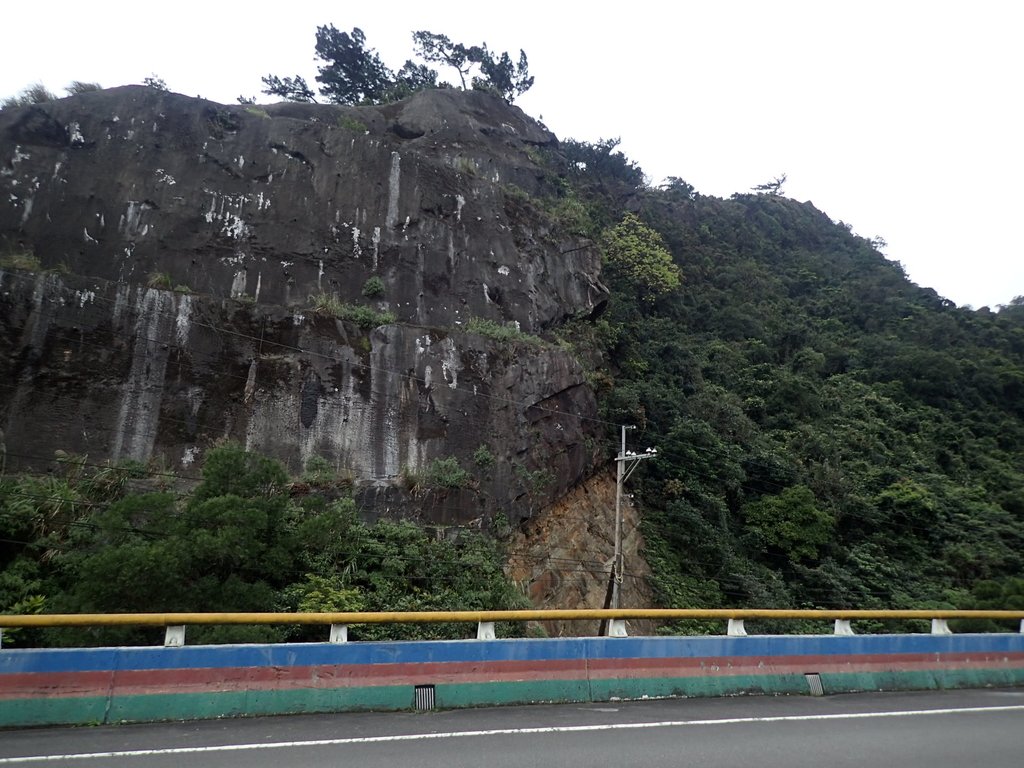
point(115, 197)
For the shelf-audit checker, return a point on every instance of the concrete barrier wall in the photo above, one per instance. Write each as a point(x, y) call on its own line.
point(105, 685)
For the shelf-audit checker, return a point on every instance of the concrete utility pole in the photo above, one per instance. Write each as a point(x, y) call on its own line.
point(625, 463)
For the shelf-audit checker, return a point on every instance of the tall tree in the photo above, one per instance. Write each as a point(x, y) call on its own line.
point(636, 254)
point(352, 73)
point(439, 49)
point(499, 75)
point(411, 78)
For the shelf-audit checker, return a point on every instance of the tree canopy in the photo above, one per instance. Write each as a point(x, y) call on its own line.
point(352, 73)
point(636, 254)
point(829, 433)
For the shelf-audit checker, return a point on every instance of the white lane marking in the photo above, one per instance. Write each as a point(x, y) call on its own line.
point(497, 732)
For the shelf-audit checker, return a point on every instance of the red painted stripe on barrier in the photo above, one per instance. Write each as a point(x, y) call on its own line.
point(130, 682)
point(671, 665)
point(798, 668)
point(341, 676)
point(271, 678)
point(28, 684)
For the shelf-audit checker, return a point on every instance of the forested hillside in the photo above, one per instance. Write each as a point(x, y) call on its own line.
point(830, 434)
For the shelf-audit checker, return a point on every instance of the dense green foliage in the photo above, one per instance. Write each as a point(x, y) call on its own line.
point(95, 540)
point(635, 256)
point(829, 433)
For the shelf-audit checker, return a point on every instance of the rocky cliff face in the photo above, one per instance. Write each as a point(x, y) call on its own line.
point(280, 203)
point(249, 212)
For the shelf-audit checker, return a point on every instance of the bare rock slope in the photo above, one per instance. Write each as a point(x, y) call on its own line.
point(176, 249)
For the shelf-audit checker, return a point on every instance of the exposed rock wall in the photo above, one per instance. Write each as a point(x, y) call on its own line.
point(130, 372)
point(283, 202)
point(248, 212)
point(562, 557)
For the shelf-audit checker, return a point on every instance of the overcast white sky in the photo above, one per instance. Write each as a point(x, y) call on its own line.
point(903, 119)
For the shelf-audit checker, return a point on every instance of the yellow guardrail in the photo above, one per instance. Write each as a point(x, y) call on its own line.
point(399, 617)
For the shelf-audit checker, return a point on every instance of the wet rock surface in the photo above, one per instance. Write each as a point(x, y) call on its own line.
point(248, 212)
point(284, 202)
point(122, 371)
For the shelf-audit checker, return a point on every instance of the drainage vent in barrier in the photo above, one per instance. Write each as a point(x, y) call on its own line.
point(425, 697)
point(814, 683)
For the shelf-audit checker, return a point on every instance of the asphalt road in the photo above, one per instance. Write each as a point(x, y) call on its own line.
point(945, 729)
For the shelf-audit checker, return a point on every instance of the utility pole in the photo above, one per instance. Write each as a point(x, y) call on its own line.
point(625, 463)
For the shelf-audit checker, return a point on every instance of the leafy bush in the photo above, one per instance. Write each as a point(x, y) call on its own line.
point(364, 317)
point(320, 473)
point(483, 457)
point(20, 259)
point(499, 331)
point(515, 192)
point(351, 124)
point(160, 280)
point(447, 473)
point(573, 215)
point(373, 287)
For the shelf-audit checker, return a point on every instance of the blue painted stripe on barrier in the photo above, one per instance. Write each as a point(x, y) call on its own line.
point(22, 661)
point(284, 655)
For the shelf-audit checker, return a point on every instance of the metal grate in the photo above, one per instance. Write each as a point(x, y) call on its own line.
point(424, 697)
point(814, 683)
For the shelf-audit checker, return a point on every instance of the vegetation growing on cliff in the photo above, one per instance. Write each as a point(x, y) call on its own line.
point(365, 317)
point(103, 539)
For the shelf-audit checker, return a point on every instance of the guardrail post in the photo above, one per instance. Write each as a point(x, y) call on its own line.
point(339, 633)
point(736, 628)
point(174, 637)
point(617, 628)
point(485, 630)
point(940, 627)
point(1021, 629)
point(843, 627)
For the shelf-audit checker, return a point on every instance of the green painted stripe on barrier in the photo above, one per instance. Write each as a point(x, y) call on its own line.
point(936, 679)
point(88, 710)
point(196, 706)
point(712, 685)
point(200, 706)
point(455, 695)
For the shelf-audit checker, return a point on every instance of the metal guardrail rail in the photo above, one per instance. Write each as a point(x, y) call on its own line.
point(614, 619)
point(421, 617)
